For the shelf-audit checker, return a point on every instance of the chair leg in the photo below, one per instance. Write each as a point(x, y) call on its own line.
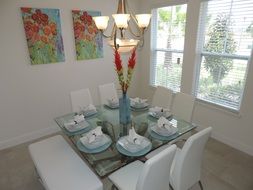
point(201, 186)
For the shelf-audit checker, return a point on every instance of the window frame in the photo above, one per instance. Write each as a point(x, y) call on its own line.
point(200, 54)
point(154, 50)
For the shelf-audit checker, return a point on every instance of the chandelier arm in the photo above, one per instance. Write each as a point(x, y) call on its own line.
point(116, 46)
point(142, 42)
point(114, 28)
point(135, 35)
point(104, 35)
point(132, 16)
point(140, 30)
point(135, 21)
point(121, 32)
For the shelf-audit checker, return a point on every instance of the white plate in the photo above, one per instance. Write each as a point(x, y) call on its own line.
point(89, 113)
point(164, 131)
point(112, 106)
point(157, 115)
point(77, 127)
point(132, 147)
point(99, 141)
point(139, 106)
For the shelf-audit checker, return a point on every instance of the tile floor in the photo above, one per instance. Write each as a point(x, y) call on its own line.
point(224, 168)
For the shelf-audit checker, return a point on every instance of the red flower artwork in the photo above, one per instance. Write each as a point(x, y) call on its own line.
point(44, 41)
point(88, 41)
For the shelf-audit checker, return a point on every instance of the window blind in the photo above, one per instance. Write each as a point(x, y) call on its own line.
point(167, 45)
point(224, 46)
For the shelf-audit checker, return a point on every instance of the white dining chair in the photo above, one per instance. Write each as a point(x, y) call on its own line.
point(80, 98)
point(162, 97)
point(107, 91)
point(182, 106)
point(186, 167)
point(151, 175)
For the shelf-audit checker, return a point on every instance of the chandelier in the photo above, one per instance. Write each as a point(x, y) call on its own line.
point(122, 30)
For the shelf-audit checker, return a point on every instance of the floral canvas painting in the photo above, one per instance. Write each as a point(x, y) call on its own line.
point(88, 40)
point(43, 35)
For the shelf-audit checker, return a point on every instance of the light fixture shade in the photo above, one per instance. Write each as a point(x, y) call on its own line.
point(125, 45)
point(121, 20)
point(143, 20)
point(101, 22)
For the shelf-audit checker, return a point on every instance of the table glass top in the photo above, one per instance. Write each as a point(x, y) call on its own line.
point(111, 159)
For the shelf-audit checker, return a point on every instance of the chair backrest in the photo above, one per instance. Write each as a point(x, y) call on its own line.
point(107, 91)
point(183, 105)
point(80, 99)
point(162, 97)
point(188, 165)
point(156, 171)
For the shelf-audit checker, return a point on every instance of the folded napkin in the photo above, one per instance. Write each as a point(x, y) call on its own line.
point(164, 123)
point(95, 133)
point(77, 119)
point(133, 137)
point(89, 108)
point(113, 101)
point(138, 100)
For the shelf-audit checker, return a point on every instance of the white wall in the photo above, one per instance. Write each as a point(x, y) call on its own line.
point(233, 129)
point(32, 96)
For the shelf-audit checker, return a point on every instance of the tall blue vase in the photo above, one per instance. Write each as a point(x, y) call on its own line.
point(124, 114)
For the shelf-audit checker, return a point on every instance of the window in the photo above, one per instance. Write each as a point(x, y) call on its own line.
point(225, 42)
point(167, 44)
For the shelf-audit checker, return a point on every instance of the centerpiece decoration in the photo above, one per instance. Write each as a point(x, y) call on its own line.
point(124, 101)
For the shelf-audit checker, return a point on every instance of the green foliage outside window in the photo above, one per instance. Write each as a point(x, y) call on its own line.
point(221, 41)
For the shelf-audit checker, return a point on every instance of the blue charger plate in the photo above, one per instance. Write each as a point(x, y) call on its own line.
point(139, 109)
point(82, 148)
point(160, 137)
point(90, 114)
point(136, 154)
point(79, 132)
point(111, 107)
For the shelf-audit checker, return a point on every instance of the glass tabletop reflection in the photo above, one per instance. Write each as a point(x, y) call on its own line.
point(111, 159)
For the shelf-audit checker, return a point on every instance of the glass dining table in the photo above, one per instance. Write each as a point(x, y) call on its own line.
point(109, 160)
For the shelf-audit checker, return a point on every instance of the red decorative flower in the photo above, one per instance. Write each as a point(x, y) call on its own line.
point(85, 13)
point(26, 9)
point(54, 32)
point(82, 17)
point(35, 28)
point(90, 30)
point(29, 34)
point(28, 25)
point(43, 17)
point(35, 17)
point(77, 33)
point(47, 30)
point(53, 28)
point(44, 39)
point(118, 62)
point(76, 11)
point(38, 11)
point(89, 20)
point(132, 61)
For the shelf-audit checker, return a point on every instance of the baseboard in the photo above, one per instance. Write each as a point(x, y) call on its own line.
point(235, 144)
point(27, 137)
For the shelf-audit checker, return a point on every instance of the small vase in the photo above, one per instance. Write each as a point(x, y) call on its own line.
point(124, 114)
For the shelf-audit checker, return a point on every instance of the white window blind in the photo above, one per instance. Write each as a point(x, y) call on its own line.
point(225, 43)
point(167, 46)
